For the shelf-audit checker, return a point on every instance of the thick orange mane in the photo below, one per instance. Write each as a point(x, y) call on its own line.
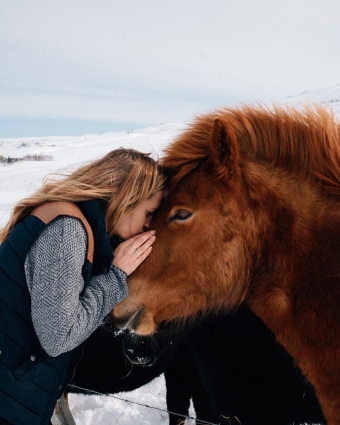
point(305, 144)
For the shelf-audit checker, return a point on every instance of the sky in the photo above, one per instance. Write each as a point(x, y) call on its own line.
point(71, 67)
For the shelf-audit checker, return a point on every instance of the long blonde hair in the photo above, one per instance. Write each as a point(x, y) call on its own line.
point(122, 179)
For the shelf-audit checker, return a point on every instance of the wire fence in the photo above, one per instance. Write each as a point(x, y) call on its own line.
point(185, 417)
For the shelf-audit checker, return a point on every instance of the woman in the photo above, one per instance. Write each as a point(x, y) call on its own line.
point(65, 255)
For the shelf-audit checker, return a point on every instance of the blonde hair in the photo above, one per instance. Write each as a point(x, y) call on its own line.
point(122, 179)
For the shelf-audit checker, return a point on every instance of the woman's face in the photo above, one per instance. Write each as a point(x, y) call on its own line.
point(140, 218)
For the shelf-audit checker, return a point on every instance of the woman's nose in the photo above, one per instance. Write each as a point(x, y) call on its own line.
point(147, 224)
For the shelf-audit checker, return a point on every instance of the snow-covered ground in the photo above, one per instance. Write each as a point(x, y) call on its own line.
point(22, 178)
point(145, 406)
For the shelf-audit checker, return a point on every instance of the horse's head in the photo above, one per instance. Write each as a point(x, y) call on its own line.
point(202, 247)
point(239, 195)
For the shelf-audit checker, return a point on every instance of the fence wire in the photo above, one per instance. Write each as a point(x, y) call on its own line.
point(198, 421)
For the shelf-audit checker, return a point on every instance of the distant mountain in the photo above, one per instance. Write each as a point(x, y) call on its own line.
point(329, 97)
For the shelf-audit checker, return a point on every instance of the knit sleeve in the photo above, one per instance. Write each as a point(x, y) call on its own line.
point(63, 313)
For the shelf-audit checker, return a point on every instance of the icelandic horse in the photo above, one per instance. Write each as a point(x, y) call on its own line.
point(252, 215)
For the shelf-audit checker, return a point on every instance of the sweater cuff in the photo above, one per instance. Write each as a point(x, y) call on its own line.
point(122, 290)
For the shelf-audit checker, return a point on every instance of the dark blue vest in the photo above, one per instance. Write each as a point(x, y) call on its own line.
point(30, 380)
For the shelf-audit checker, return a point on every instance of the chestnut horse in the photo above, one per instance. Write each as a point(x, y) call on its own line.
point(252, 215)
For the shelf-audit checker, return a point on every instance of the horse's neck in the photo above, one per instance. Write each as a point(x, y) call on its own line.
point(296, 287)
point(300, 233)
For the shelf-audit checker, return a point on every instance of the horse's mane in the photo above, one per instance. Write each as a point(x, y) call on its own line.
point(305, 143)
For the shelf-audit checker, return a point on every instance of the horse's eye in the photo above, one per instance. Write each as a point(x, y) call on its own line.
point(180, 215)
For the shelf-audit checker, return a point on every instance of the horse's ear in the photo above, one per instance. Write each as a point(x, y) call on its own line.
point(224, 150)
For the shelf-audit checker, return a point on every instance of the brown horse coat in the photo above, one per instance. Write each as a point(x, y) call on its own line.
point(252, 215)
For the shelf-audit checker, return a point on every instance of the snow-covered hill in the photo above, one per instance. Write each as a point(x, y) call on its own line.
point(328, 97)
point(24, 177)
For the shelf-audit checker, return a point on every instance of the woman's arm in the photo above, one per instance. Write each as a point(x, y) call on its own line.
point(63, 314)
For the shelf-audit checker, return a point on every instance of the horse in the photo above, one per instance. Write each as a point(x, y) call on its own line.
point(252, 215)
point(246, 377)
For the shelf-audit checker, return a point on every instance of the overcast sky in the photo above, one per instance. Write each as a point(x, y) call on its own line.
point(70, 67)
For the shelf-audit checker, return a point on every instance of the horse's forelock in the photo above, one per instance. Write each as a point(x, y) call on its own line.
point(189, 149)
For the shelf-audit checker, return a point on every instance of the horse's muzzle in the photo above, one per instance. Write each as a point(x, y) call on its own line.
point(126, 323)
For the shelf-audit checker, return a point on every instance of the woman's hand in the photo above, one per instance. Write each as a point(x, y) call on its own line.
point(131, 253)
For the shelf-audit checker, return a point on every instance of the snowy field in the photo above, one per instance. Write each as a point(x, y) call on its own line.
point(24, 177)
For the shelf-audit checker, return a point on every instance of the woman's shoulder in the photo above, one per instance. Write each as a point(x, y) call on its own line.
point(64, 237)
point(70, 220)
point(66, 225)
point(61, 233)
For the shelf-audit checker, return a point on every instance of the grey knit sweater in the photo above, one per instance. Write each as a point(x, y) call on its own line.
point(63, 315)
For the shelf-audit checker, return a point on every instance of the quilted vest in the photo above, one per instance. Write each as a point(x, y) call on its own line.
point(30, 380)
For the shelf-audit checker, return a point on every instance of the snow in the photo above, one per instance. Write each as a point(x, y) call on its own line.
point(24, 177)
point(328, 97)
point(92, 410)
